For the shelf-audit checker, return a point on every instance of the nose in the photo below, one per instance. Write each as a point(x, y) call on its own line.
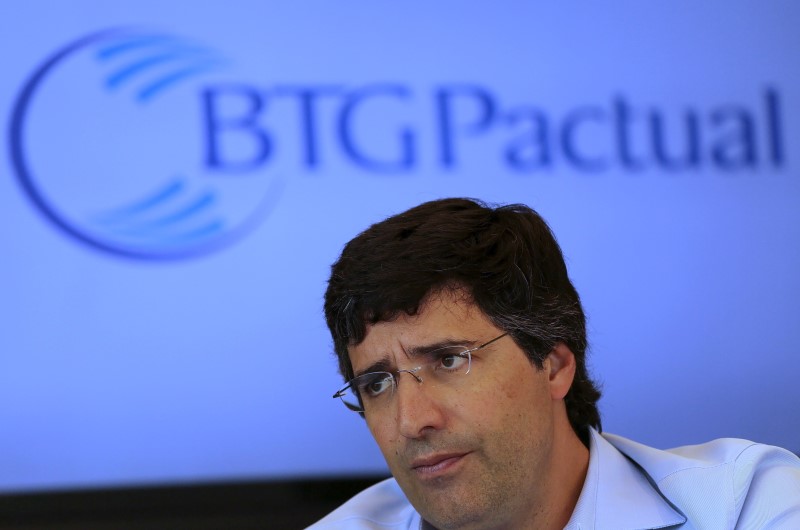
point(417, 412)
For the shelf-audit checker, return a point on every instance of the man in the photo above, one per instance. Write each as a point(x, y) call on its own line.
point(462, 342)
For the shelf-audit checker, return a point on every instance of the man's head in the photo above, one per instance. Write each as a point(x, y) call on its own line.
point(505, 261)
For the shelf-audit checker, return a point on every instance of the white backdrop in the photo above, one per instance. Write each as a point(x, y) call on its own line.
point(177, 178)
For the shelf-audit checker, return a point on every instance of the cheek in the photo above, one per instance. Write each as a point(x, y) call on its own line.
point(385, 438)
point(517, 390)
point(378, 432)
point(521, 404)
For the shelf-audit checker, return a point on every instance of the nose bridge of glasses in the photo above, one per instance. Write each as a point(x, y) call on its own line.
point(414, 396)
point(411, 371)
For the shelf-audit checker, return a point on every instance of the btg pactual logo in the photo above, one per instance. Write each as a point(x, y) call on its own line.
point(106, 140)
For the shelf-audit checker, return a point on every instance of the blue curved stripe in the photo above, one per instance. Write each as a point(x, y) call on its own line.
point(132, 43)
point(129, 71)
point(188, 235)
point(203, 202)
point(168, 192)
point(165, 82)
point(204, 232)
point(165, 223)
point(167, 238)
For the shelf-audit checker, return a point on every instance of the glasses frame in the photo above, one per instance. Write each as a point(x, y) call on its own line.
point(342, 392)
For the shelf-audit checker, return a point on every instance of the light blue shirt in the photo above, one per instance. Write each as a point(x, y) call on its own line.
point(724, 484)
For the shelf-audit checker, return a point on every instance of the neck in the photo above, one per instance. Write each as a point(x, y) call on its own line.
point(572, 461)
point(563, 485)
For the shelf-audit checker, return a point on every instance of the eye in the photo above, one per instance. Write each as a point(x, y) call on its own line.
point(375, 385)
point(453, 361)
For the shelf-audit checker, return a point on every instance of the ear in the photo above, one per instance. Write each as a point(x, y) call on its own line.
point(561, 361)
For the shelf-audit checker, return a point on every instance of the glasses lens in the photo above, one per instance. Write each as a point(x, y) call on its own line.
point(367, 390)
point(448, 365)
point(350, 399)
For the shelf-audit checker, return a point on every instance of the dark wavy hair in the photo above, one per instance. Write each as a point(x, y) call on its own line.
point(505, 259)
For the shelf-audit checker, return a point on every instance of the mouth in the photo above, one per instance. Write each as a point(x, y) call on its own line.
point(435, 466)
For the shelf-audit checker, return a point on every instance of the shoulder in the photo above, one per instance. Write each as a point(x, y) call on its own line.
point(732, 480)
point(379, 507)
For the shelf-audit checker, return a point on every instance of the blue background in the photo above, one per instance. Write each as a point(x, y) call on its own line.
point(116, 370)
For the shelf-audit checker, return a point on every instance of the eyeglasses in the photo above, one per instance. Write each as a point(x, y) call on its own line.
point(440, 366)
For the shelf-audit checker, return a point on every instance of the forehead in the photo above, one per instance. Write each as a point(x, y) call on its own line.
point(442, 317)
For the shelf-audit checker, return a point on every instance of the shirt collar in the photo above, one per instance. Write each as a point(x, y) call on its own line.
point(618, 494)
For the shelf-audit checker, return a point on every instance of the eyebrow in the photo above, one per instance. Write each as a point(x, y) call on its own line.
point(385, 365)
point(382, 365)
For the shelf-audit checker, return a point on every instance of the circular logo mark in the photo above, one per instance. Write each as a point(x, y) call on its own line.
point(107, 140)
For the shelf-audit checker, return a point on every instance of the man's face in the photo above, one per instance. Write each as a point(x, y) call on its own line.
point(477, 457)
